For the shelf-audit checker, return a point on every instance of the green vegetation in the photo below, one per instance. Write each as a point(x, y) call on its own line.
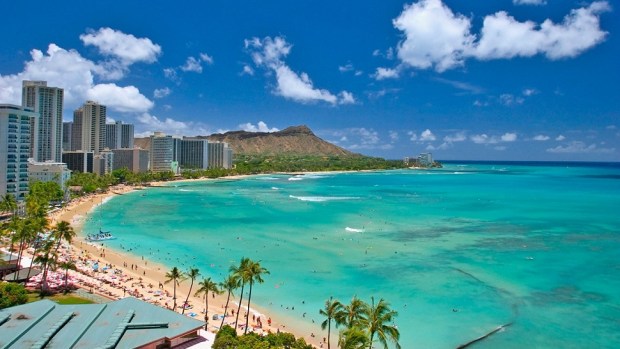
point(12, 294)
point(364, 323)
point(59, 298)
point(251, 164)
point(227, 338)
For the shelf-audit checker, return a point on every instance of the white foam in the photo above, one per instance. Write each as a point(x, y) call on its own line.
point(354, 230)
point(185, 190)
point(275, 188)
point(323, 198)
point(295, 179)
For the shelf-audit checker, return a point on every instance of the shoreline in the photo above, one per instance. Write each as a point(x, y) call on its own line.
point(152, 275)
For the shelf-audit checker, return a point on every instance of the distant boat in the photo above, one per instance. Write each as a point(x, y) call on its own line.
point(101, 236)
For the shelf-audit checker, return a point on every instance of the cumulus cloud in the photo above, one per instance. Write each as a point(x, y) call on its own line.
point(161, 92)
point(385, 73)
point(357, 138)
point(436, 37)
point(206, 58)
point(260, 127)
point(123, 99)
point(247, 70)
point(541, 138)
point(125, 47)
point(76, 75)
point(508, 99)
point(192, 64)
point(427, 136)
point(579, 147)
point(147, 123)
point(345, 68)
point(486, 139)
point(269, 53)
point(457, 137)
point(393, 136)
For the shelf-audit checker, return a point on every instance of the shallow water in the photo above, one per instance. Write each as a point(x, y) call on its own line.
point(456, 251)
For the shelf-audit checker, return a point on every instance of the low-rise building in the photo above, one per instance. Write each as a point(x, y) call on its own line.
point(49, 171)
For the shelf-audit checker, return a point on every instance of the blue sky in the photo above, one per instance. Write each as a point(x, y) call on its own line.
point(487, 80)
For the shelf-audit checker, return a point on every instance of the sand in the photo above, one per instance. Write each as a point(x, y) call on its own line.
point(153, 274)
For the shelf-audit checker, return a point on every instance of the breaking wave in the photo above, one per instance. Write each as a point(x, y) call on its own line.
point(323, 198)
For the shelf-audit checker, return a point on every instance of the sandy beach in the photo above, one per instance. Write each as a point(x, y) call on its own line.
point(126, 274)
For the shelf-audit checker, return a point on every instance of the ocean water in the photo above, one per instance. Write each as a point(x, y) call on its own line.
point(456, 251)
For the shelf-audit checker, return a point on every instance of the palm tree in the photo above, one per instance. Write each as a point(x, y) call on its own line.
point(63, 230)
point(240, 273)
point(255, 273)
point(48, 260)
point(331, 311)
point(176, 276)
point(207, 285)
point(192, 274)
point(352, 313)
point(66, 265)
point(378, 317)
point(8, 203)
point(353, 338)
point(229, 284)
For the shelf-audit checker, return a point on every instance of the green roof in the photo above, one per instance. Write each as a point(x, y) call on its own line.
point(126, 323)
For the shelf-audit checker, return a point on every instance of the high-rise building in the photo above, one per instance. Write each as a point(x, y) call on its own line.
point(162, 152)
point(48, 102)
point(220, 155)
point(67, 133)
point(103, 163)
point(16, 130)
point(193, 153)
point(135, 160)
point(89, 127)
point(119, 135)
point(79, 161)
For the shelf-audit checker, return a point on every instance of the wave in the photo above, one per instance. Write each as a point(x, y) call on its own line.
point(186, 190)
point(354, 230)
point(268, 178)
point(295, 178)
point(275, 188)
point(323, 198)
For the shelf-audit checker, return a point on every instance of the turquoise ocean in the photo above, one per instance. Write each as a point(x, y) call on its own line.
point(457, 251)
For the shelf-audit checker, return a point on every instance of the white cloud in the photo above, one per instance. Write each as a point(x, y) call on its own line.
point(560, 138)
point(125, 47)
point(260, 127)
point(346, 98)
point(161, 92)
point(509, 137)
point(345, 68)
point(171, 74)
point(123, 99)
point(269, 53)
point(247, 70)
point(385, 73)
point(206, 58)
point(393, 136)
point(412, 136)
point(427, 136)
point(192, 65)
point(578, 147)
point(435, 37)
point(541, 138)
point(147, 124)
point(529, 92)
point(529, 2)
point(67, 69)
point(457, 137)
point(509, 100)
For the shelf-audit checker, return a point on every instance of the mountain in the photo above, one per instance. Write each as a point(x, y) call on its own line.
point(295, 140)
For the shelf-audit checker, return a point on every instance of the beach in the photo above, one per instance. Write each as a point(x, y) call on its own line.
point(121, 273)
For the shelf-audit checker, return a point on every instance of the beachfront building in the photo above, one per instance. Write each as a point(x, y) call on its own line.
point(125, 323)
point(220, 155)
point(79, 161)
point(193, 153)
point(103, 163)
point(49, 171)
point(135, 160)
point(119, 135)
point(161, 152)
point(48, 102)
point(89, 127)
point(67, 133)
point(425, 159)
point(16, 133)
